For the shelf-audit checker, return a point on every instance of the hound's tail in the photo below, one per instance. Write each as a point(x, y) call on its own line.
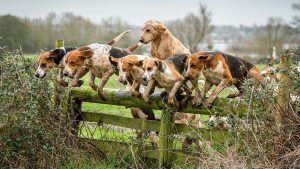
point(117, 39)
point(133, 47)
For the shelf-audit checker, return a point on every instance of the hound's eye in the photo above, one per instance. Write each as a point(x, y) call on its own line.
point(72, 62)
point(43, 65)
point(193, 66)
point(148, 30)
point(149, 69)
point(124, 70)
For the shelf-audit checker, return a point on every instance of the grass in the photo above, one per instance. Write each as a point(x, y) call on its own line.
point(88, 166)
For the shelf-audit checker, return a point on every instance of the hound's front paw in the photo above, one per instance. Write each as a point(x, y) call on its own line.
point(196, 101)
point(172, 101)
point(136, 94)
point(77, 84)
point(93, 86)
point(146, 99)
point(63, 83)
point(163, 94)
point(100, 93)
point(80, 82)
point(233, 95)
point(208, 104)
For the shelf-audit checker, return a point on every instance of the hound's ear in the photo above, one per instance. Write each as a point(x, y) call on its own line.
point(113, 61)
point(159, 65)
point(86, 54)
point(55, 51)
point(203, 57)
point(53, 54)
point(41, 51)
point(184, 58)
point(161, 28)
point(140, 63)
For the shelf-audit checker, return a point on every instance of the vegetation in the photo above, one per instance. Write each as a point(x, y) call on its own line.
point(37, 132)
point(34, 132)
point(35, 34)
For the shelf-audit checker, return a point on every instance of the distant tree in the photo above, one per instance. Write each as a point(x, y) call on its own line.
point(41, 33)
point(76, 30)
point(111, 27)
point(14, 32)
point(193, 28)
point(275, 33)
point(296, 22)
point(296, 19)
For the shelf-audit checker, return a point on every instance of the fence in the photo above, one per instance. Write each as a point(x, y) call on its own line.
point(165, 153)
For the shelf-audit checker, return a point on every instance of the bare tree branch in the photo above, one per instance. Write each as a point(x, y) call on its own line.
point(193, 29)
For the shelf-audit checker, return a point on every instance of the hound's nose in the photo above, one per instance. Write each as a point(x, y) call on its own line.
point(144, 78)
point(187, 76)
point(120, 80)
point(37, 75)
point(141, 40)
point(65, 73)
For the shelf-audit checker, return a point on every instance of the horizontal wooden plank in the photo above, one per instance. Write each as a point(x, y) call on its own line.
point(152, 125)
point(111, 147)
point(124, 98)
point(142, 124)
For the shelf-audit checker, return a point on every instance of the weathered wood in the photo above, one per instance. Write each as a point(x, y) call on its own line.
point(153, 125)
point(76, 113)
point(141, 124)
point(59, 43)
point(124, 98)
point(57, 87)
point(110, 147)
point(283, 94)
point(165, 139)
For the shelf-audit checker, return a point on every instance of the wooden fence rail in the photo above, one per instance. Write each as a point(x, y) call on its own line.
point(221, 106)
point(165, 153)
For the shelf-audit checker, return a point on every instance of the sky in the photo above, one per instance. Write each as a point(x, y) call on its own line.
point(136, 12)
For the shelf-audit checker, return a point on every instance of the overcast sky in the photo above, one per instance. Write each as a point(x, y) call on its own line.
point(225, 12)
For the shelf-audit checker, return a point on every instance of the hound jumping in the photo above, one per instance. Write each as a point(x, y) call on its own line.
point(220, 69)
point(55, 59)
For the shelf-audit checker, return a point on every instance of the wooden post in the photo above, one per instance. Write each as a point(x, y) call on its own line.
point(283, 94)
point(76, 114)
point(56, 90)
point(59, 43)
point(165, 139)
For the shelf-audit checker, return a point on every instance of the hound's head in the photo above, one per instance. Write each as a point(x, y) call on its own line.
point(151, 30)
point(75, 59)
point(125, 65)
point(195, 63)
point(151, 66)
point(46, 62)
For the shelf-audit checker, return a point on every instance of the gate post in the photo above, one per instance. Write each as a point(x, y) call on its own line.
point(283, 94)
point(57, 88)
point(76, 114)
point(165, 139)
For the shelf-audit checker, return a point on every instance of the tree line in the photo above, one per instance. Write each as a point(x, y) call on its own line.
point(192, 30)
point(33, 34)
